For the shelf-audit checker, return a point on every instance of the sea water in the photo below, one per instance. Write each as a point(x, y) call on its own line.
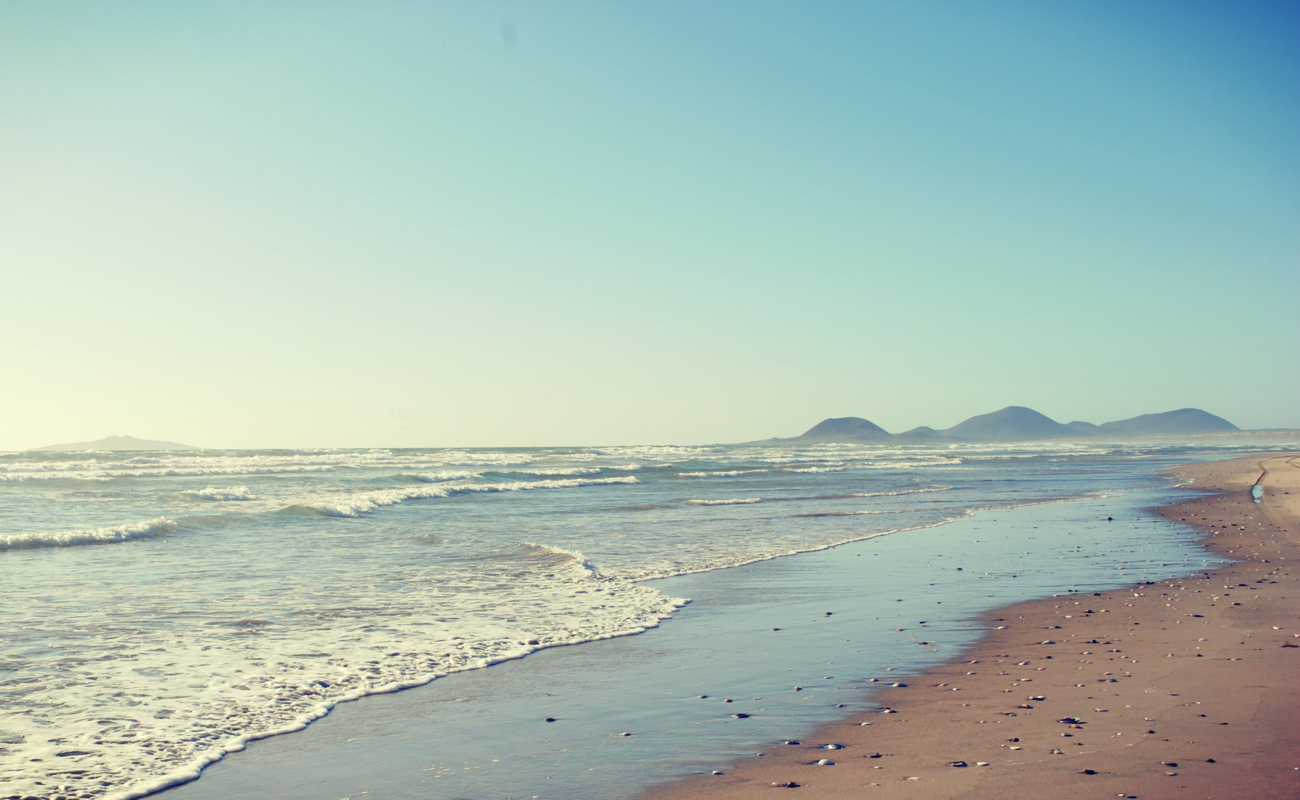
point(163, 609)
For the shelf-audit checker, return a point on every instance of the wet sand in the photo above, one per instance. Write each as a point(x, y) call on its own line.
point(1180, 688)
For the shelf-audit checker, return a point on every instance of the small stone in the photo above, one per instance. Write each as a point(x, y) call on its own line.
point(550, 719)
point(1089, 772)
point(740, 716)
point(825, 762)
point(958, 764)
point(981, 763)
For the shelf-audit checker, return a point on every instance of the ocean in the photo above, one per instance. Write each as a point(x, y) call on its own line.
point(164, 609)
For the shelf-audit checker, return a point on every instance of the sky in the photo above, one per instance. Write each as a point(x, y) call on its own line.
point(402, 224)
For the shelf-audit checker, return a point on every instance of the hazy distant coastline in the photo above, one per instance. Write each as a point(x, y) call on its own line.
point(1019, 424)
point(116, 443)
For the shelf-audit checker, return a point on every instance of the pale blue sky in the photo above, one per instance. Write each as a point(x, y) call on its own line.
point(507, 223)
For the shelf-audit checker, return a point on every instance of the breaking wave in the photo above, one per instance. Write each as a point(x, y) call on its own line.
point(735, 501)
point(213, 493)
point(119, 533)
point(365, 502)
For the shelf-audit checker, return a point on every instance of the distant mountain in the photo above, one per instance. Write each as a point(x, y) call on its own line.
point(1182, 421)
point(1085, 428)
point(119, 443)
point(845, 429)
point(1020, 424)
point(921, 434)
point(1011, 424)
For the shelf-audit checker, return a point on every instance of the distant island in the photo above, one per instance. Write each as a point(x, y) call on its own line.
point(1020, 424)
point(118, 443)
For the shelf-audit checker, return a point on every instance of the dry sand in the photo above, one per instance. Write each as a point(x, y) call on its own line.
point(1174, 689)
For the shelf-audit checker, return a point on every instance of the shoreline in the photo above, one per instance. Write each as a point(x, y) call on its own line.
point(1172, 688)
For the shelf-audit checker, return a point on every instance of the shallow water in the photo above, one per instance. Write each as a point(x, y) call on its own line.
point(163, 609)
point(484, 734)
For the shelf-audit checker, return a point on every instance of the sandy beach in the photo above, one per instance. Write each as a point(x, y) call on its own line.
point(1178, 688)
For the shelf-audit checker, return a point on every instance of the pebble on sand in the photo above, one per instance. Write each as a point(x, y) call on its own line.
point(825, 762)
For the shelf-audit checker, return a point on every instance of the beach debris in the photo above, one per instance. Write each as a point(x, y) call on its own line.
point(1024, 705)
point(1088, 772)
point(776, 629)
point(899, 685)
point(1047, 641)
point(785, 784)
point(1210, 761)
point(958, 764)
point(798, 688)
point(827, 614)
point(701, 697)
point(825, 762)
point(715, 772)
point(864, 724)
point(792, 741)
point(550, 719)
point(876, 755)
point(1070, 721)
point(740, 716)
point(624, 733)
point(1039, 697)
point(728, 700)
point(981, 763)
point(841, 747)
point(1057, 752)
point(1168, 763)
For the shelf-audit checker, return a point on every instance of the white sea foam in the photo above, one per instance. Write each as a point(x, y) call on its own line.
point(180, 703)
point(902, 492)
point(722, 473)
point(119, 533)
point(817, 469)
point(214, 493)
point(561, 471)
point(735, 501)
point(356, 505)
point(446, 475)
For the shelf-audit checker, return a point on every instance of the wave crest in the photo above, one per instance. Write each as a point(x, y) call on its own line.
point(360, 504)
point(118, 533)
point(735, 501)
point(213, 493)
